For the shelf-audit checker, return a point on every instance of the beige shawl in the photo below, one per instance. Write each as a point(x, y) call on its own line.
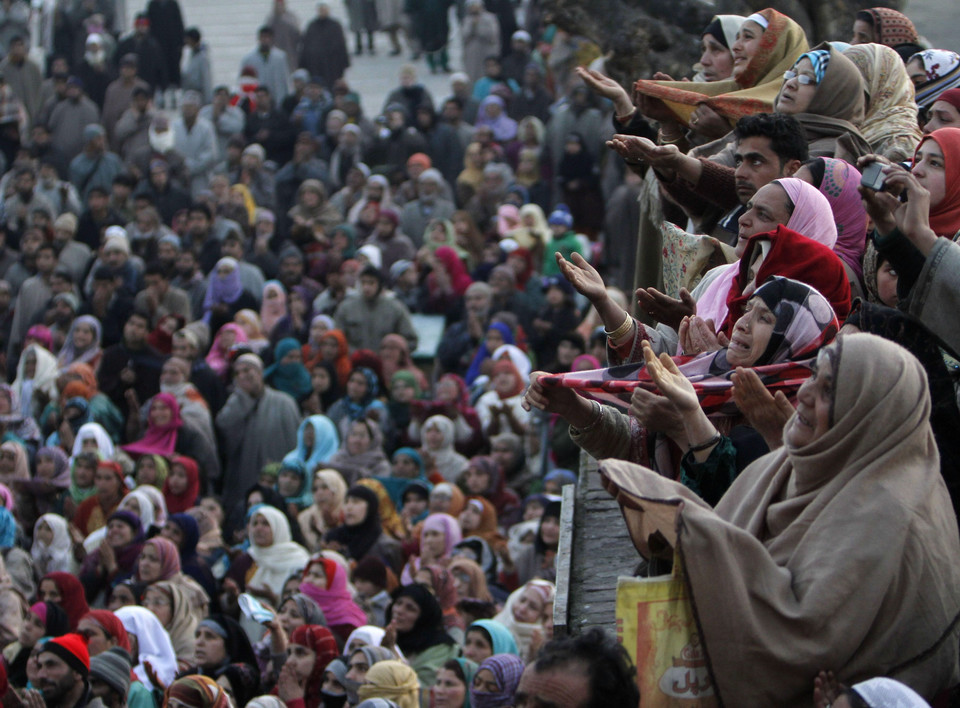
point(839, 555)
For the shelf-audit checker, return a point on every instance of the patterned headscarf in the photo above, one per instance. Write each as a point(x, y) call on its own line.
point(199, 691)
point(890, 27)
point(942, 68)
point(507, 670)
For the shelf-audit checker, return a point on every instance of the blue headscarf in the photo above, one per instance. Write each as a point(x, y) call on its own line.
point(483, 354)
point(304, 497)
point(820, 58)
point(292, 379)
point(326, 441)
point(8, 528)
point(564, 477)
point(357, 410)
point(501, 639)
point(397, 486)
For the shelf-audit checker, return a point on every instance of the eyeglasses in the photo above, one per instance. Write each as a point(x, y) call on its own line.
point(802, 79)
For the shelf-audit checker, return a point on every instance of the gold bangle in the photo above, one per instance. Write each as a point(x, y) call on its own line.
point(621, 330)
point(664, 140)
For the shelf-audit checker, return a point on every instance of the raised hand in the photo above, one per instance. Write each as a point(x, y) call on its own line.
point(665, 309)
point(671, 382)
point(698, 335)
point(656, 413)
point(582, 276)
point(767, 413)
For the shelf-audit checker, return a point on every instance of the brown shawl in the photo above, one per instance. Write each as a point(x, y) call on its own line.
point(752, 92)
point(839, 555)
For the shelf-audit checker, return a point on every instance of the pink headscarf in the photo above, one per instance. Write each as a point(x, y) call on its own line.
point(169, 557)
point(217, 359)
point(335, 600)
point(452, 535)
point(273, 309)
point(839, 186)
point(159, 439)
point(812, 217)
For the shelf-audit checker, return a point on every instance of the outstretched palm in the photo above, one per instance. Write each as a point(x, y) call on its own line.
point(582, 276)
point(671, 382)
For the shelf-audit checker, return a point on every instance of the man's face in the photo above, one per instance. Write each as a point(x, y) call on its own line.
point(189, 111)
point(478, 304)
point(159, 178)
point(183, 349)
point(263, 100)
point(369, 287)
point(166, 252)
point(46, 261)
point(17, 50)
point(266, 41)
point(156, 282)
point(103, 289)
point(756, 165)
point(128, 71)
point(451, 112)
point(290, 269)
point(198, 223)
point(186, 264)
point(72, 92)
point(30, 243)
point(135, 331)
point(115, 258)
point(97, 201)
point(563, 687)
point(428, 188)
point(55, 679)
point(25, 183)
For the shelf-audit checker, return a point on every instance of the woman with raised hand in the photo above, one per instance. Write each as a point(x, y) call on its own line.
point(858, 455)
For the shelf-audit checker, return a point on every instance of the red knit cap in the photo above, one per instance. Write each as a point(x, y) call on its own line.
point(72, 648)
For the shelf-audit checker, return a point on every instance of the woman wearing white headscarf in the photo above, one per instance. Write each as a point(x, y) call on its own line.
point(96, 432)
point(153, 644)
point(439, 435)
point(52, 553)
point(40, 388)
point(275, 556)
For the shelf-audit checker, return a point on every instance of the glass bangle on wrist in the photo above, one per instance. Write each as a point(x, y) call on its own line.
point(706, 445)
point(621, 330)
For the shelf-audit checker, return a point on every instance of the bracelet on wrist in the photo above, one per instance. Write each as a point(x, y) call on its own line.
point(717, 437)
point(598, 416)
point(621, 330)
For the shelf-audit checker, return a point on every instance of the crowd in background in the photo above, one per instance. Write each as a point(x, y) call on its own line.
point(238, 468)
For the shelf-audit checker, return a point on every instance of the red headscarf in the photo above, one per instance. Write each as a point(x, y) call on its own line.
point(112, 625)
point(791, 255)
point(342, 362)
point(321, 641)
point(72, 599)
point(177, 503)
point(459, 278)
point(945, 216)
point(507, 366)
point(159, 439)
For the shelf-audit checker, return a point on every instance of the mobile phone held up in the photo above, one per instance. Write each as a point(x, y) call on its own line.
point(873, 177)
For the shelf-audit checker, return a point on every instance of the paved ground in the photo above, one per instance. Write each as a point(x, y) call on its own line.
point(230, 27)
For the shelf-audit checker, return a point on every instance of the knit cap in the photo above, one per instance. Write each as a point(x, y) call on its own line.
point(72, 649)
point(113, 668)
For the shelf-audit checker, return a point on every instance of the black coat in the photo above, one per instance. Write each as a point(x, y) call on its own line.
point(324, 52)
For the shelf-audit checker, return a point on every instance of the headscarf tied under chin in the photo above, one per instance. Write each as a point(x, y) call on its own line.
point(945, 216)
point(805, 322)
point(159, 439)
point(291, 378)
point(507, 670)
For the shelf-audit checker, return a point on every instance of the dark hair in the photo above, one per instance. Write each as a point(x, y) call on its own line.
point(141, 91)
point(454, 666)
point(373, 272)
point(611, 674)
point(818, 169)
point(478, 609)
point(124, 179)
point(201, 207)
point(787, 137)
point(266, 29)
point(459, 104)
point(193, 34)
point(155, 268)
point(575, 338)
point(47, 247)
point(233, 235)
point(96, 189)
point(138, 313)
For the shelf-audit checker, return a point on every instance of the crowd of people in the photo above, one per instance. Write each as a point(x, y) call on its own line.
point(235, 470)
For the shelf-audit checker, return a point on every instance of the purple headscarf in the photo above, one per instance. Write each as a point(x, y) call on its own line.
point(504, 128)
point(452, 534)
point(507, 670)
point(839, 186)
point(222, 289)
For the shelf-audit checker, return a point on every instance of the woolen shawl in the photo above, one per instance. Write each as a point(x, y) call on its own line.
point(842, 550)
point(754, 91)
